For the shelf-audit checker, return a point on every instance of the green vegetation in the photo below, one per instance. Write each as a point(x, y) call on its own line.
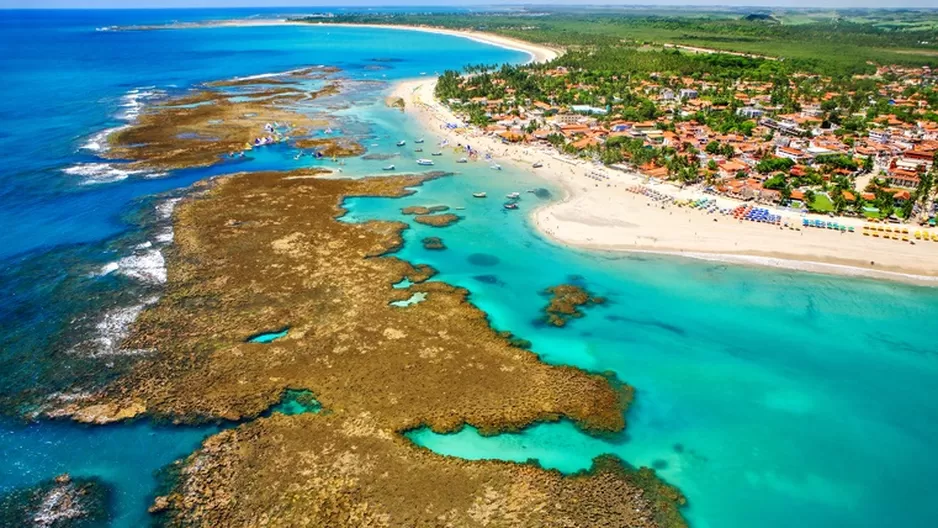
point(832, 42)
point(765, 105)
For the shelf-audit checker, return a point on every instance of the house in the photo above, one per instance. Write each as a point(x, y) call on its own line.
point(568, 119)
point(903, 178)
point(587, 109)
point(688, 93)
point(730, 168)
point(880, 136)
point(750, 112)
point(790, 153)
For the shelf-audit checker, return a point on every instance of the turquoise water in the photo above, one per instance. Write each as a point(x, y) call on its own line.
point(770, 398)
point(269, 337)
point(81, 237)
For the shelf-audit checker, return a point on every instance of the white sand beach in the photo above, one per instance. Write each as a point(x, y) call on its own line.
point(599, 212)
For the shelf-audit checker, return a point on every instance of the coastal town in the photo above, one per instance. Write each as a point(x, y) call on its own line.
point(803, 142)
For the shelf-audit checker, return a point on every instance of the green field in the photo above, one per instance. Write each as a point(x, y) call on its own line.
point(833, 42)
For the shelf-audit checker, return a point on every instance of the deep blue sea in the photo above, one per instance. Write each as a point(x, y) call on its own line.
point(770, 398)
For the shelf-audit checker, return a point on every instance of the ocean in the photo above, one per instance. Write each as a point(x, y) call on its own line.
point(771, 398)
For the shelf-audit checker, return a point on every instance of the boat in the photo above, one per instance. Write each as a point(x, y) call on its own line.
point(496, 166)
point(437, 154)
point(401, 143)
point(424, 161)
point(538, 165)
point(418, 140)
point(479, 195)
point(513, 196)
point(418, 150)
point(510, 205)
point(388, 168)
point(462, 160)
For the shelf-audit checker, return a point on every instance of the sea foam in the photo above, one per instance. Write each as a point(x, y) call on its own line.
point(114, 326)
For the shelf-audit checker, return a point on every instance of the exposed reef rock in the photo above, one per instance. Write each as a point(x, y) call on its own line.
point(514, 340)
point(434, 243)
point(264, 250)
point(395, 102)
point(199, 128)
point(565, 302)
point(347, 471)
point(332, 147)
point(422, 210)
point(60, 503)
point(435, 220)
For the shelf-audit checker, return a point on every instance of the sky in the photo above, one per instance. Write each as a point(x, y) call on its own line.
point(75, 4)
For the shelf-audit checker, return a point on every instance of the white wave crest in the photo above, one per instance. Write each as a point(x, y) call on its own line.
point(98, 142)
point(165, 236)
point(94, 173)
point(114, 327)
point(147, 266)
point(135, 100)
point(100, 172)
point(164, 209)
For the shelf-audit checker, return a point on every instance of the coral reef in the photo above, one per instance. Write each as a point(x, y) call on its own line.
point(59, 503)
point(437, 220)
point(264, 250)
point(565, 303)
point(199, 128)
point(434, 243)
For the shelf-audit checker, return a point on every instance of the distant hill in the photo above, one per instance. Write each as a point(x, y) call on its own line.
point(761, 17)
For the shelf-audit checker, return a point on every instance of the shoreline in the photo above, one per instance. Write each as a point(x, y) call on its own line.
point(609, 218)
point(601, 214)
point(536, 52)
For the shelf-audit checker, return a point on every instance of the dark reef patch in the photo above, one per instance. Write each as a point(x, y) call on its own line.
point(483, 259)
point(565, 302)
point(58, 503)
point(488, 279)
point(433, 243)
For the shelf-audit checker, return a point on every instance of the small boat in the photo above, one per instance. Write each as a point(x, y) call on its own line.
point(478, 195)
point(388, 168)
point(424, 161)
point(437, 154)
point(418, 140)
point(418, 150)
point(496, 166)
point(462, 160)
point(513, 196)
point(510, 205)
point(401, 143)
point(538, 165)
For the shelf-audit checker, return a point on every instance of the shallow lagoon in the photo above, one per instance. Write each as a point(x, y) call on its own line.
point(770, 398)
